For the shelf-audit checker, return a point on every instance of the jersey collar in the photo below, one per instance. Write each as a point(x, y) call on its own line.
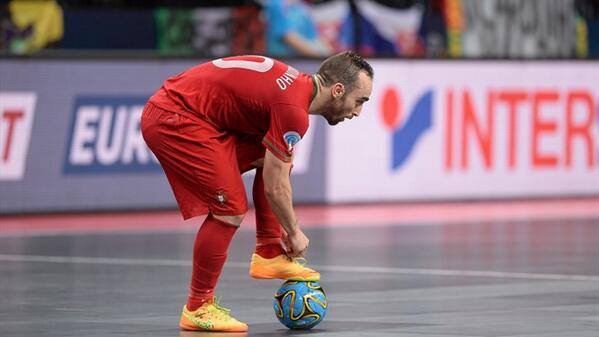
point(315, 90)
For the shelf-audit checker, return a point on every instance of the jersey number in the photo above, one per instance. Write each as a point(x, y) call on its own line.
point(260, 67)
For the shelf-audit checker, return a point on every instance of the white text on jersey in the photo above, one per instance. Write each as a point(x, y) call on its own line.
point(285, 80)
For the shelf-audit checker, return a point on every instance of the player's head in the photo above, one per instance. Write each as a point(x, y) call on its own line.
point(347, 83)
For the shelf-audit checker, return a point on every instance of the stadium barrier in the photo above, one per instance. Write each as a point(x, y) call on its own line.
point(433, 130)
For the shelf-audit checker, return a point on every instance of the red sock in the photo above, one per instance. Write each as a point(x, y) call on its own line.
point(209, 255)
point(268, 228)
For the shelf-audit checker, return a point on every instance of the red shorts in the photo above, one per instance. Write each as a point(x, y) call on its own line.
point(203, 164)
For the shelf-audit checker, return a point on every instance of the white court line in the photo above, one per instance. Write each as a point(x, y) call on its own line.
point(342, 269)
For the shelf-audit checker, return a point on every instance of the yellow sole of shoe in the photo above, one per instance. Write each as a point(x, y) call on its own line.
point(195, 328)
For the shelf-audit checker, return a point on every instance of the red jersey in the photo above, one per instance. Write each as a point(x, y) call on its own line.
point(251, 95)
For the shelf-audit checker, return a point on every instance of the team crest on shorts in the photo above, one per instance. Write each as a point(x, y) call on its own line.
point(221, 196)
point(291, 138)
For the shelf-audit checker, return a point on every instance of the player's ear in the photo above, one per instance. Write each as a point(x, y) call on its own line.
point(338, 90)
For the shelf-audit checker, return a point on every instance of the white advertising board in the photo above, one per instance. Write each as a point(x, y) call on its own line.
point(443, 130)
point(16, 120)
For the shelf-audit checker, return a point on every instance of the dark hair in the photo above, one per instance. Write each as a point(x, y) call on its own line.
point(344, 68)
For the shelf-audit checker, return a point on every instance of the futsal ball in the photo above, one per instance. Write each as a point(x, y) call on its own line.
point(300, 305)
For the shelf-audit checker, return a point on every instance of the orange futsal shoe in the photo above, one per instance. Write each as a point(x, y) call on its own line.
point(210, 317)
point(282, 267)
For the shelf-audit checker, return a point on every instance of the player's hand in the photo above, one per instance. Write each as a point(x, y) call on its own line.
point(296, 243)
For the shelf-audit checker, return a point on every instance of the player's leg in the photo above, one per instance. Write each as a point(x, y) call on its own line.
point(209, 255)
point(227, 202)
point(268, 228)
point(269, 260)
point(202, 311)
point(250, 155)
point(197, 162)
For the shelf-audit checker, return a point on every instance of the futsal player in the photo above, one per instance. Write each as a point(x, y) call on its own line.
point(217, 120)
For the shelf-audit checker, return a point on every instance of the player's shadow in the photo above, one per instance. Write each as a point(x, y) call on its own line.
point(271, 330)
point(211, 334)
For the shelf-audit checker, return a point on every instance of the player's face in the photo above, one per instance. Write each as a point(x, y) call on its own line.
point(349, 105)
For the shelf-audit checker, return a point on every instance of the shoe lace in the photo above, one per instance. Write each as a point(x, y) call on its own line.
point(220, 308)
point(300, 260)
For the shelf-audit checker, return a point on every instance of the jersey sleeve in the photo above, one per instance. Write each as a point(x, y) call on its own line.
point(288, 124)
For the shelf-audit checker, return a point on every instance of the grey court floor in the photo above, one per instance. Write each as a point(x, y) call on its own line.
point(472, 279)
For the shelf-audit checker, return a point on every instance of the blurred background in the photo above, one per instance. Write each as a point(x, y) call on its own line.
point(311, 28)
point(473, 100)
point(463, 201)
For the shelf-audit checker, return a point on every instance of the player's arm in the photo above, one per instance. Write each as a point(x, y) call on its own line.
point(281, 29)
point(277, 187)
point(304, 47)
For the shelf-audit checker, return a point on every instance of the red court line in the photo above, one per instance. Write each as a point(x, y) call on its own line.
point(316, 216)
